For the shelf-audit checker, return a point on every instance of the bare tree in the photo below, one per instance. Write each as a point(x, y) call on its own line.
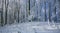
point(45, 11)
point(29, 7)
point(50, 11)
point(6, 10)
point(18, 10)
point(54, 12)
point(2, 22)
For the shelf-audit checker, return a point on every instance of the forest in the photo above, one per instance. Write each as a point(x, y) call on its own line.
point(21, 11)
point(29, 16)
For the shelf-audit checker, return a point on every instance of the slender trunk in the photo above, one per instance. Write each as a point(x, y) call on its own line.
point(50, 11)
point(18, 16)
point(6, 10)
point(2, 22)
point(18, 11)
point(45, 11)
point(29, 7)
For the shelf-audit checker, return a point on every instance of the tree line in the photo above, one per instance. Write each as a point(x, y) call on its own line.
point(19, 11)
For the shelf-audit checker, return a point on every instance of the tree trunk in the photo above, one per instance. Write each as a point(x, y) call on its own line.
point(6, 10)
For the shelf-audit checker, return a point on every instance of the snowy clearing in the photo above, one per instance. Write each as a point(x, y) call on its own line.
point(31, 27)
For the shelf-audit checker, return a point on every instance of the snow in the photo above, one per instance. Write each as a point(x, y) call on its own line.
point(31, 27)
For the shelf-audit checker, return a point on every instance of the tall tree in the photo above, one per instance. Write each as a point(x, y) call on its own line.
point(2, 22)
point(18, 10)
point(29, 7)
point(55, 16)
point(50, 11)
point(45, 11)
point(6, 10)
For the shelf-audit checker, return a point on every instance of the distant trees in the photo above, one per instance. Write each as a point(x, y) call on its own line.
point(17, 10)
point(58, 10)
point(14, 12)
point(22, 10)
point(54, 12)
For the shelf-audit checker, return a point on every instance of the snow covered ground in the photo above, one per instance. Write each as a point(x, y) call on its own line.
point(31, 27)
